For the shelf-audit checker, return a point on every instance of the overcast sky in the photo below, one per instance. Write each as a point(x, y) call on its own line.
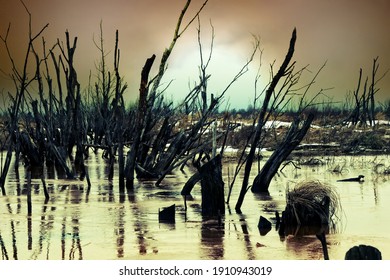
point(347, 34)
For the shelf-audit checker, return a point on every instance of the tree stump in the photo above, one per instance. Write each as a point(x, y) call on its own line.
point(213, 199)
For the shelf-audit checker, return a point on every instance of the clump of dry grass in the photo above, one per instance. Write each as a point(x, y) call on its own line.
point(314, 199)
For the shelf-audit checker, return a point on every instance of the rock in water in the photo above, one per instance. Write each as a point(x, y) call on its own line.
point(264, 226)
point(167, 214)
point(363, 252)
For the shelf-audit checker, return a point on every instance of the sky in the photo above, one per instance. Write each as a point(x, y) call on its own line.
point(345, 34)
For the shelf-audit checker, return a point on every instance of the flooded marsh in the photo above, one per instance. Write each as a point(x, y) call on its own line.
point(94, 224)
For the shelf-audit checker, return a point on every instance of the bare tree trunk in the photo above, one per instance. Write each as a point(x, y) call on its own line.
point(290, 142)
point(365, 104)
point(21, 81)
point(356, 112)
point(142, 106)
point(375, 67)
point(270, 90)
point(119, 111)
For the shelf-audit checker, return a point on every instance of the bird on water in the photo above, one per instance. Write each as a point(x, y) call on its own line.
point(359, 178)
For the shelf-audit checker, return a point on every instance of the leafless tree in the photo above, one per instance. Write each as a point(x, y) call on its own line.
point(363, 112)
point(21, 82)
point(277, 96)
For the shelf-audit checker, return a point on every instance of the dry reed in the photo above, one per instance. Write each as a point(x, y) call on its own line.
point(313, 197)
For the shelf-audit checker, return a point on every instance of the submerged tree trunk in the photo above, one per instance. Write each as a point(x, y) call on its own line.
point(290, 142)
point(213, 201)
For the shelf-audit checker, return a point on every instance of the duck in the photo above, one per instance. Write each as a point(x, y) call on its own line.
point(359, 178)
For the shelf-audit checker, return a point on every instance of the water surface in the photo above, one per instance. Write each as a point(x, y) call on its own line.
point(96, 225)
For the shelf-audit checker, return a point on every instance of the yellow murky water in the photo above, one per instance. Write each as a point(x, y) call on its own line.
point(75, 224)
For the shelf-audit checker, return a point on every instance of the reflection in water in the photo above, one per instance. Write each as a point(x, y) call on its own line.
point(29, 233)
point(212, 237)
point(247, 241)
point(120, 232)
point(13, 232)
point(75, 197)
point(375, 190)
point(305, 247)
point(76, 241)
point(77, 223)
point(46, 224)
point(4, 252)
point(106, 193)
point(63, 238)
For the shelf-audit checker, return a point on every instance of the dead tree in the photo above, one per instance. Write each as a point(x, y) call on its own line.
point(355, 116)
point(119, 111)
point(186, 143)
point(363, 112)
point(21, 81)
point(142, 103)
point(294, 136)
point(72, 132)
point(261, 119)
point(210, 177)
point(276, 98)
point(106, 113)
point(148, 156)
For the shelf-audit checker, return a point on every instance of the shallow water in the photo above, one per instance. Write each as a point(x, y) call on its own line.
point(75, 224)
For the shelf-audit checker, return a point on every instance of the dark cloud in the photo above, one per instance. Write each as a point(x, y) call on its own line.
point(347, 34)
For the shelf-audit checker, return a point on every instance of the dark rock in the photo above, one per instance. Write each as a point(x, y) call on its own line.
point(264, 226)
point(167, 214)
point(363, 252)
